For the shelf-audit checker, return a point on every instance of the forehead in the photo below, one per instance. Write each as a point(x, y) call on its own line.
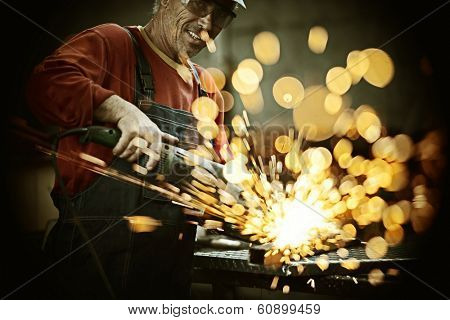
point(230, 4)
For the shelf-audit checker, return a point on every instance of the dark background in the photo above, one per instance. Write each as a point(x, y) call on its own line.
point(415, 102)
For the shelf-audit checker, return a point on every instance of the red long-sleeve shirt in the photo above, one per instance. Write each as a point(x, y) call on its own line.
point(68, 85)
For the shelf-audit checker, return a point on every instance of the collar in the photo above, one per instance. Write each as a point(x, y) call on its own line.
point(182, 70)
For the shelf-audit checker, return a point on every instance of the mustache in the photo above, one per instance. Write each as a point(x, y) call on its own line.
point(196, 30)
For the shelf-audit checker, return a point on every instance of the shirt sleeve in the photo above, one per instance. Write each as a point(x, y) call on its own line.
point(66, 87)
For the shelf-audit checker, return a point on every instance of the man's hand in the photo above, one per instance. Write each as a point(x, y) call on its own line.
point(135, 126)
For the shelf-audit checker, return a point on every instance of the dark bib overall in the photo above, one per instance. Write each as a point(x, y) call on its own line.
point(117, 262)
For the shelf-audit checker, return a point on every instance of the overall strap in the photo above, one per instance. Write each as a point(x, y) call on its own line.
point(144, 80)
point(201, 91)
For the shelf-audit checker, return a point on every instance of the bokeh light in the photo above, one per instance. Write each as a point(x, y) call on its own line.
point(266, 47)
point(254, 102)
point(208, 129)
point(218, 76)
point(228, 101)
point(317, 39)
point(338, 80)
point(205, 109)
point(245, 81)
point(311, 114)
point(357, 65)
point(254, 65)
point(381, 68)
point(333, 103)
point(288, 92)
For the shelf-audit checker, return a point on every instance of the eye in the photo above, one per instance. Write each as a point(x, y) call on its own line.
point(221, 17)
point(221, 14)
point(199, 7)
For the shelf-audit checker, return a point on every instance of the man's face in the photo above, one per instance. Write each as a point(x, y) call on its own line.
point(184, 27)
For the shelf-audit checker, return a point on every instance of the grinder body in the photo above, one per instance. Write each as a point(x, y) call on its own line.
point(172, 163)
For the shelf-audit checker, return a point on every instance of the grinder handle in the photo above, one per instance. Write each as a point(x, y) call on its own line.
point(107, 137)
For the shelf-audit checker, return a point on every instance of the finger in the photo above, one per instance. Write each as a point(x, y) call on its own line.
point(150, 153)
point(152, 158)
point(139, 142)
point(154, 138)
point(134, 156)
point(168, 138)
point(137, 168)
point(128, 151)
point(123, 143)
point(155, 141)
point(152, 161)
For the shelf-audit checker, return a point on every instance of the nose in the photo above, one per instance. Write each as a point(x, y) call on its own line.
point(206, 22)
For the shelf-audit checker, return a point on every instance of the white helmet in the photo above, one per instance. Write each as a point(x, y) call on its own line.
point(241, 2)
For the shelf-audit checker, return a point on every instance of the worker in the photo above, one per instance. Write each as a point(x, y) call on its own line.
point(140, 80)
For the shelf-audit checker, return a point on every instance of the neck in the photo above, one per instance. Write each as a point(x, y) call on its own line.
point(156, 31)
